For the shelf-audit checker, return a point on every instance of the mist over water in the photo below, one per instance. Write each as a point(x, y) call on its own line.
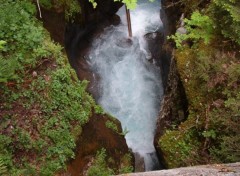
point(130, 86)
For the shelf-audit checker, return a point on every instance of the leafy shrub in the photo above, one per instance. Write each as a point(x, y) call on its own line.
point(210, 72)
point(179, 148)
point(3, 168)
point(126, 164)
point(99, 167)
point(22, 36)
point(198, 27)
point(219, 16)
point(42, 115)
point(227, 16)
point(102, 163)
point(111, 125)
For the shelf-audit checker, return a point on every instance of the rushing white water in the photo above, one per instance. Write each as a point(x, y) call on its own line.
point(130, 85)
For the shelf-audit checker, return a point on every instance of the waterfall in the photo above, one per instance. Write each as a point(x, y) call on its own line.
point(130, 86)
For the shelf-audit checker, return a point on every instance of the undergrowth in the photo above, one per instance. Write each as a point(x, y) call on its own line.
point(101, 165)
point(43, 105)
point(208, 60)
point(69, 7)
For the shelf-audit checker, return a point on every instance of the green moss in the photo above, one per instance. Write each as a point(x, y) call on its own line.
point(209, 72)
point(69, 7)
point(100, 167)
point(111, 125)
point(126, 164)
point(102, 163)
point(178, 148)
point(76, 132)
point(44, 107)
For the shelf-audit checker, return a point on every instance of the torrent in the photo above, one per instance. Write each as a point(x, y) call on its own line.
point(130, 86)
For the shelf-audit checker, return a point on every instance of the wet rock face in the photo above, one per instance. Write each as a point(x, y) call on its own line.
point(79, 37)
point(54, 19)
point(139, 163)
point(105, 10)
point(174, 104)
point(159, 53)
point(77, 45)
point(55, 23)
point(95, 136)
point(170, 15)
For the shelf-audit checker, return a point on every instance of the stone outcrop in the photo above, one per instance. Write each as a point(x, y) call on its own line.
point(54, 19)
point(95, 136)
point(159, 55)
point(232, 169)
point(174, 104)
point(105, 10)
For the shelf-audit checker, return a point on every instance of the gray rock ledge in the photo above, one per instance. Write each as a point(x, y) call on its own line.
point(232, 169)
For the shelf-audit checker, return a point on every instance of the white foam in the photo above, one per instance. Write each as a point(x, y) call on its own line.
point(131, 86)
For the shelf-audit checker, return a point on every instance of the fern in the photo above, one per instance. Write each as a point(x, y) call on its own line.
point(3, 168)
point(199, 27)
point(227, 14)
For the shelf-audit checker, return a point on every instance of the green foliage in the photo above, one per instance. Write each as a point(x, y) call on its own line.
point(3, 168)
point(210, 72)
point(131, 4)
point(198, 27)
point(125, 131)
point(219, 16)
point(111, 125)
point(179, 148)
point(24, 140)
point(227, 16)
point(228, 151)
point(126, 164)
point(70, 7)
point(7, 70)
point(178, 39)
point(220, 89)
point(94, 4)
point(22, 36)
point(64, 106)
point(99, 110)
point(41, 115)
point(102, 164)
point(99, 167)
point(2, 43)
point(210, 133)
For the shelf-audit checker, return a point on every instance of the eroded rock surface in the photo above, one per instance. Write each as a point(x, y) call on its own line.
point(174, 103)
point(95, 136)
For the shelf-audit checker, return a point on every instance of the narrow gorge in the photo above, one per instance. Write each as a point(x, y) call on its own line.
point(126, 75)
point(82, 96)
point(130, 86)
